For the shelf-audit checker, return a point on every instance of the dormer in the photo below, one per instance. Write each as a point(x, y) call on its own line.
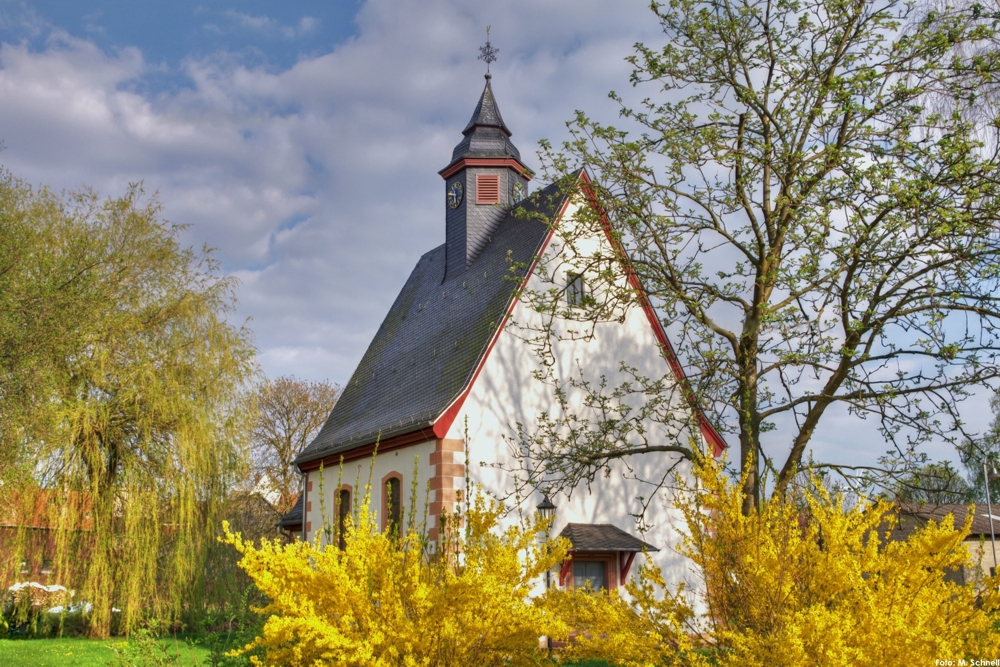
point(484, 179)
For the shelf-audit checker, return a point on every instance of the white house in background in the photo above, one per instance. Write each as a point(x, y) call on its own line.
point(446, 379)
point(267, 489)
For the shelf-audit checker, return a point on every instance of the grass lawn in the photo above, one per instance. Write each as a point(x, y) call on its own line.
point(75, 652)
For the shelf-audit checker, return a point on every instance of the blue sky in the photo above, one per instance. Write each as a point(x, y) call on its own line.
point(273, 34)
point(302, 140)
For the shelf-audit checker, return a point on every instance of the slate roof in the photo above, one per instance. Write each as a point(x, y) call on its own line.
point(431, 341)
point(487, 113)
point(912, 515)
point(486, 135)
point(602, 537)
point(293, 520)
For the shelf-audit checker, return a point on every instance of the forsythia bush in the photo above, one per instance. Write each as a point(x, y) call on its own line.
point(388, 600)
point(806, 581)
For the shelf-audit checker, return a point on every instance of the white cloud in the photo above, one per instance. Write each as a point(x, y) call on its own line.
point(318, 183)
point(268, 26)
point(91, 23)
point(308, 24)
point(20, 18)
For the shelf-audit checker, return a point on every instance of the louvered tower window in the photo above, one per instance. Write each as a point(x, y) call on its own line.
point(487, 189)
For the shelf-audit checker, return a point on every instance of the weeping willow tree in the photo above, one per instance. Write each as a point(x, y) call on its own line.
point(129, 424)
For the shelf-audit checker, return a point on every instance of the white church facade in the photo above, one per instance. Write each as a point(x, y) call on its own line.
point(448, 376)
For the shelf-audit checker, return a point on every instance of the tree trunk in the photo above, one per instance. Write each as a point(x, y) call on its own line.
point(749, 425)
point(100, 570)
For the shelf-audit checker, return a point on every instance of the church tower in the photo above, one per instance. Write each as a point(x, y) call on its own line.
point(483, 180)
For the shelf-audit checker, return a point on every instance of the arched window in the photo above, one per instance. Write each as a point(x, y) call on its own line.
point(393, 504)
point(343, 510)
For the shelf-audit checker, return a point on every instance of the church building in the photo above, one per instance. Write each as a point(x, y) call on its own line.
point(447, 379)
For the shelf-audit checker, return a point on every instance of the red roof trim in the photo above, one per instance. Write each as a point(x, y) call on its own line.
point(564, 570)
point(364, 451)
point(708, 431)
point(516, 165)
point(447, 418)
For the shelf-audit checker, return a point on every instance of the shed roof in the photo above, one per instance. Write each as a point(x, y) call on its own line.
point(431, 342)
point(912, 515)
point(602, 537)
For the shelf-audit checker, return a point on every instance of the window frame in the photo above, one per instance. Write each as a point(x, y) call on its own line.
point(386, 508)
point(610, 561)
point(342, 511)
point(598, 567)
point(576, 289)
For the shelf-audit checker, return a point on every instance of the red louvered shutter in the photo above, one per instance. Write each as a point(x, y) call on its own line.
point(487, 189)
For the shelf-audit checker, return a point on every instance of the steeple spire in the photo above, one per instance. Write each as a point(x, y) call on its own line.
point(487, 113)
point(486, 135)
point(483, 180)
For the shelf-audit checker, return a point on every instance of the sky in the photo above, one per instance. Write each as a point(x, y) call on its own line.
point(302, 140)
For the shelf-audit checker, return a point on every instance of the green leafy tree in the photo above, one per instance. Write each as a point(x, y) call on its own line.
point(816, 226)
point(132, 422)
point(975, 451)
point(935, 483)
point(47, 295)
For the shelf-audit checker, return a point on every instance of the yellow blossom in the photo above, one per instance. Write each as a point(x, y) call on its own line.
point(805, 580)
point(393, 600)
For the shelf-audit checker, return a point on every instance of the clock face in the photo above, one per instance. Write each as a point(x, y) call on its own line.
point(455, 194)
point(518, 192)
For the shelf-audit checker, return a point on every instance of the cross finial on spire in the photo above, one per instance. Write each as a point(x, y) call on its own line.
point(488, 53)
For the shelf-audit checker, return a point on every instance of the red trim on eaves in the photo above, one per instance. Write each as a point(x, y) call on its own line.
point(564, 570)
point(626, 566)
point(708, 431)
point(364, 451)
point(447, 418)
point(514, 164)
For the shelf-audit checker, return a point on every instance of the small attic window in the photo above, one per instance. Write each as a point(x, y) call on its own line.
point(576, 289)
point(487, 189)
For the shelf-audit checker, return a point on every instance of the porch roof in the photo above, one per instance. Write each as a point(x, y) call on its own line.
point(602, 537)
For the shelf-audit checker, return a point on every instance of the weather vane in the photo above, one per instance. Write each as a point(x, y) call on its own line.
point(488, 53)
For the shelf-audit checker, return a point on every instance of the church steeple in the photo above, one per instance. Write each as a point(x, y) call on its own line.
point(487, 113)
point(486, 135)
point(484, 178)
